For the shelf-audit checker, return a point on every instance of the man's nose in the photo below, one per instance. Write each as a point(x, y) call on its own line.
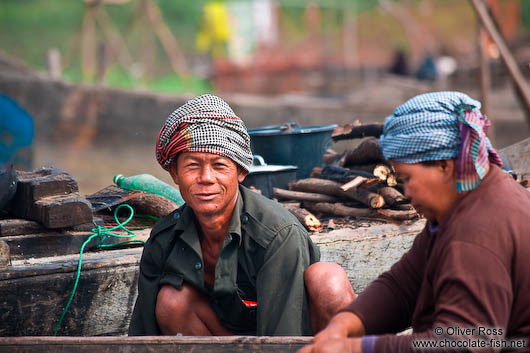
point(207, 175)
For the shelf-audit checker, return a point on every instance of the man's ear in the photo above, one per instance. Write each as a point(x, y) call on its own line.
point(241, 174)
point(448, 167)
point(173, 171)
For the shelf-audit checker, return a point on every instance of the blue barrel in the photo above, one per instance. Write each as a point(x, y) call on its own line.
point(289, 144)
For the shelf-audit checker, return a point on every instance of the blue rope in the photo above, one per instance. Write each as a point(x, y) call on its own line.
point(102, 232)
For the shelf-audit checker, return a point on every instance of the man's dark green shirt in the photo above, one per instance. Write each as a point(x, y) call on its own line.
point(263, 259)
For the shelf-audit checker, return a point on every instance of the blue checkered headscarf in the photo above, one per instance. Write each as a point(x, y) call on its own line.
point(441, 125)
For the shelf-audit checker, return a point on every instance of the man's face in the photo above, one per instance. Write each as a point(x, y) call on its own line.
point(207, 182)
point(431, 188)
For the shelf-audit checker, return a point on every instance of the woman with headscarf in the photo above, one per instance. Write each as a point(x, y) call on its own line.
point(465, 282)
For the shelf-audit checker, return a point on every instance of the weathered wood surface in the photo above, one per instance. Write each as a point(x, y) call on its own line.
point(49, 244)
point(50, 197)
point(5, 256)
point(366, 252)
point(44, 182)
point(60, 211)
point(153, 344)
point(19, 226)
point(33, 292)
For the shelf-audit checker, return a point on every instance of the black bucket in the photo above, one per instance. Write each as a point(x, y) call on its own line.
point(290, 144)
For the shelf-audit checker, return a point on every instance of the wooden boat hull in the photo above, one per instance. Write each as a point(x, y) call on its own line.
point(152, 344)
point(34, 292)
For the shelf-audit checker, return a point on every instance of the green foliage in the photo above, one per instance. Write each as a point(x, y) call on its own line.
point(177, 84)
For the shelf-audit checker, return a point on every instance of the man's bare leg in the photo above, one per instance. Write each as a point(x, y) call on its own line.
point(187, 311)
point(329, 290)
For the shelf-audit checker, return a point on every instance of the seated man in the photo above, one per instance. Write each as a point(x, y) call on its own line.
point(229, 261)
point(464, 284)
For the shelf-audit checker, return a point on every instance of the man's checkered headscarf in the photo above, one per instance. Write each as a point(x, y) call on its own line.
point(204, 124)
point(441, 125)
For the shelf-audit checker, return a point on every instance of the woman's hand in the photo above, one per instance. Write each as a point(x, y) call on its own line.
point(334, 338)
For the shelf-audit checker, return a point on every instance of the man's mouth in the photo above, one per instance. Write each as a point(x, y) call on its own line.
point(205, 196)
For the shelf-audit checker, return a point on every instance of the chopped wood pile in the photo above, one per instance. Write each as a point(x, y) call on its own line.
point(358, 183)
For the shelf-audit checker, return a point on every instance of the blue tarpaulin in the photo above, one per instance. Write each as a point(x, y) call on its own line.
point(16, 133)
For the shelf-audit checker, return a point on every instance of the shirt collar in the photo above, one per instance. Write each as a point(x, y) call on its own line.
point(184, 219)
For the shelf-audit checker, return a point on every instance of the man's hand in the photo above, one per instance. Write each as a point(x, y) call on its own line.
point(343, 345)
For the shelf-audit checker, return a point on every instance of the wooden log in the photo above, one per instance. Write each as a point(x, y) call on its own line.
point(339, 209)
point(150, 344)
point(377, 169)
point(367, 152)
point(391, 179)
point(332, 188)
point(392, 196)
point(525, 183)
point(342, 175)
point(308, 220)
point(303, 196)
point(358, 180)
point(331, 156)
point(399, 215)
point(154, 205)
point(403, 207)
point(353, 131)
point(316, 172)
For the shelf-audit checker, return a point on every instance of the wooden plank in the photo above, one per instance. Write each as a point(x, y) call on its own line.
point(51, 244)
point(5, 257)
point(17, 226)
point(61, 211)
point(29, 268)
point(223, 344)
point(44, 182)
point(102, 305)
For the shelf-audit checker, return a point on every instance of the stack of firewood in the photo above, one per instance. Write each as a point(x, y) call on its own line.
point(358, 183)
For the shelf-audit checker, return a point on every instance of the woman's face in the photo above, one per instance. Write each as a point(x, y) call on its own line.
point(431, 188)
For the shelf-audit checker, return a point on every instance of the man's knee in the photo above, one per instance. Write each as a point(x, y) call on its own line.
point(172, 302)
point(327, 278)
